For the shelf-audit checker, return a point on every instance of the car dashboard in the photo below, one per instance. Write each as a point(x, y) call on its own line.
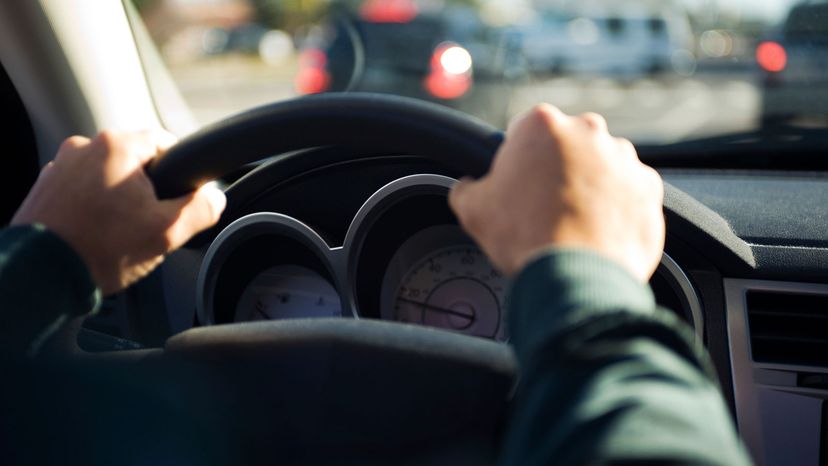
point(372, 237)
point(360, 236)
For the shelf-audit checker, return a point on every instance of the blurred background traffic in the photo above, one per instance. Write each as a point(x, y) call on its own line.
point(661, 71)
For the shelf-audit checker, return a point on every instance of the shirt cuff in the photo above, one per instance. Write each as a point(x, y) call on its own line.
point(562, 288)
point(62, 271)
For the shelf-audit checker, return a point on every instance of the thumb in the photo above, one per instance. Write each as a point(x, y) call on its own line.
point(195, 212)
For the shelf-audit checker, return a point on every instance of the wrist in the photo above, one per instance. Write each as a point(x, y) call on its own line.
point(525, 258)
point(631, 257)
point(66, 263)
point(562, 286)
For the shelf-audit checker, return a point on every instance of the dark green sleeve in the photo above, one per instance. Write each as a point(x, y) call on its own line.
point(43, 284)
point(605, 376)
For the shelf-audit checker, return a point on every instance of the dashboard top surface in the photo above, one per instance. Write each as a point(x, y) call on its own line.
point(763, 208)
point(751, 224)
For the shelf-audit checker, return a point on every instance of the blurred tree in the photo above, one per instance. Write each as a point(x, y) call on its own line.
point(288, 15)
point(144, 5)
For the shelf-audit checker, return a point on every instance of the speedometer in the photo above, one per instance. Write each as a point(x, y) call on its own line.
point(453, 288)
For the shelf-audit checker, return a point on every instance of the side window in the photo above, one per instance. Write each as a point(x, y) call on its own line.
point(226, 56)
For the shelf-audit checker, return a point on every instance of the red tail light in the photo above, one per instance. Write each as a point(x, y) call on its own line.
point(771, 56)
point(312, 77)
point(389, 11)
point(451, 72)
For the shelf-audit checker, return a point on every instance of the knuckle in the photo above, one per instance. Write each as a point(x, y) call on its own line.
point(594, 120)
point(213, 214)
point(208, 205)
point(466, 213)
point(539, 120)
point(659, 186)
point(160, 224)
point(108, 140)
point(654, 175)
point(544, 114)
point(164, 242)
point(464, 199)
point(72, 143)
point(162, 234)
point(472, 216)
point(655, 181)
point(458, 194)
point(627, 146)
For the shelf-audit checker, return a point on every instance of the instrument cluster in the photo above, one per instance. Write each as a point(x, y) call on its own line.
point(404, 258)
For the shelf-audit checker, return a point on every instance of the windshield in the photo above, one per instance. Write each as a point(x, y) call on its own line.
point(660, 72)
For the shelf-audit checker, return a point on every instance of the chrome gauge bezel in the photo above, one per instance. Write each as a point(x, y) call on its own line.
point(245, 229)
point(372, 209)
point(342, 262)
point(684, 288)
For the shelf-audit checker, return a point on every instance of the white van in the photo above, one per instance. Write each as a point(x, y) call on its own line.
point(614, 45)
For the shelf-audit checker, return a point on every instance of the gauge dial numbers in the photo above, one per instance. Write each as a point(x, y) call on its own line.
point(453, 288)
point(288, 292)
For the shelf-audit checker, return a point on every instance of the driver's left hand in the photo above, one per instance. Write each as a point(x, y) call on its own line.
point(96, 196)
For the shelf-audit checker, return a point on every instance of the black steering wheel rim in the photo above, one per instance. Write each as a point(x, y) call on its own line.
point(357, 120)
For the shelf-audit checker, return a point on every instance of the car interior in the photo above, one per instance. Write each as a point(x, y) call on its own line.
point(297, 330)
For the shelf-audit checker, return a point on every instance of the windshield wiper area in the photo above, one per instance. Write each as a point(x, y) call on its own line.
point(775, 148)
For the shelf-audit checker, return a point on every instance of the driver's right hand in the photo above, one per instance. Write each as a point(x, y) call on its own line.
point(564, 181)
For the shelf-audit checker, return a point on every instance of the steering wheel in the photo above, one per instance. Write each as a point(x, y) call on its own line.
point(345, 388)
point(357, 120)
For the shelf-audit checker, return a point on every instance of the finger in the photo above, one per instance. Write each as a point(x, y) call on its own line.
point(626, 147)
point(163, 139)
point(49, 165)
point(71, 145)
point(458, 193)
point(657, 182)
point(193, 213)
point(543, 113)
point(146, 145)
point(595, 121)
point(464, 200)
point(74, 143)
point(547, 116)
point(125, 146)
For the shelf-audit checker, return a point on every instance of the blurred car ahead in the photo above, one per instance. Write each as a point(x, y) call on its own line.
point(271, 45)
point(794, 63)
point(392, 48)
point(624, 46)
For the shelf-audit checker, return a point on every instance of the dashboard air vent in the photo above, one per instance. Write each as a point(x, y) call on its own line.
point(788, 328)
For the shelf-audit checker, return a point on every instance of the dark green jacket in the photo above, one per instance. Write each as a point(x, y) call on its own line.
point(43, 284)
point(605, 376)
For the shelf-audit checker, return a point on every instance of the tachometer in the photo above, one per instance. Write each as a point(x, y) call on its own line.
point(453, 288)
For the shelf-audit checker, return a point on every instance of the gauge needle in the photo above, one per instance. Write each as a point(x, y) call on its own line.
point(262, 313)
point(442, 310)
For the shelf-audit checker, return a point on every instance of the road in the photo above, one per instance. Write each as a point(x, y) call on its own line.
point(644, 110)
point(649, 110)
point(222, 86)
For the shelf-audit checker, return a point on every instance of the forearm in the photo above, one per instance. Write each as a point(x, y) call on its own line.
point(43, 283)
point(606, 376)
